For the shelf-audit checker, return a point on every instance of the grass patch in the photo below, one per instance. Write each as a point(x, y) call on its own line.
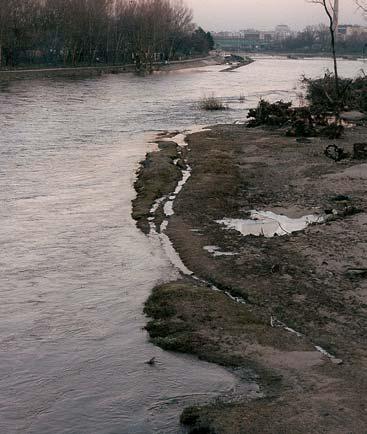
point(191, 318)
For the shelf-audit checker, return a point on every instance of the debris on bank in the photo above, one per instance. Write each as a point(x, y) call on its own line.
point(296, 121)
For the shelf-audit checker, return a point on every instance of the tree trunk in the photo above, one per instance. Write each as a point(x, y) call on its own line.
point(336, 74)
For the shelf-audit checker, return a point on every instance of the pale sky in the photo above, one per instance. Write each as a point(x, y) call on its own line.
point(265, 14)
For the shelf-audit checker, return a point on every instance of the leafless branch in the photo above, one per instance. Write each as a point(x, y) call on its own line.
point(332, 14)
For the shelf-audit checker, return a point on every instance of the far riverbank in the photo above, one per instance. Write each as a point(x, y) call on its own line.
point(299, 55)
point(80, 71)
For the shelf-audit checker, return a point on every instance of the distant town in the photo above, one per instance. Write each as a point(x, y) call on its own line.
point(350, 39)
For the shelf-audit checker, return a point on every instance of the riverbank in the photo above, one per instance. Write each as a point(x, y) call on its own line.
point(88, 71)
point(296, 55)
point(291, 310)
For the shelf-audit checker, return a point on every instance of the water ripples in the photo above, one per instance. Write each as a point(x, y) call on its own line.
point(75, 269)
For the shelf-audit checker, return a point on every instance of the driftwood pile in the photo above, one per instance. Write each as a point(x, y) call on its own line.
point(296, 121)
point(322, 97)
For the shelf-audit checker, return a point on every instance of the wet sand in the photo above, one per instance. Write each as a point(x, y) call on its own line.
point(300, 328)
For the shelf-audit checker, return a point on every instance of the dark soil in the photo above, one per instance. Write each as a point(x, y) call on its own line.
point(157, 177)
point(306, 280)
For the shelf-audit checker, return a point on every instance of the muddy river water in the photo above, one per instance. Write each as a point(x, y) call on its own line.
point(74, 269)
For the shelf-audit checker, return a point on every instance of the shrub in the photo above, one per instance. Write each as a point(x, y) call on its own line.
point(211, 103)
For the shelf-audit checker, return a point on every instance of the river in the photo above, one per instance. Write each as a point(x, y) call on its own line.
point(75, 270)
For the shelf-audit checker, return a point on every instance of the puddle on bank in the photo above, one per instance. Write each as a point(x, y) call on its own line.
point(269, 224)
point(215, 251)
point(168, 201)
point(260, 223)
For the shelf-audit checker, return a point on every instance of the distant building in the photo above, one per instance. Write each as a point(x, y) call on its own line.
point(251, 35)
point(282, 31)
point(251, 39)
point(225, 34)
point(345, 31)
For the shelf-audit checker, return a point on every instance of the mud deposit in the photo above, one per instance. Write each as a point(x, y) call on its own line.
point(301, 332)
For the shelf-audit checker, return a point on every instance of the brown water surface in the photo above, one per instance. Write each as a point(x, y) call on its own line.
point(75, 271)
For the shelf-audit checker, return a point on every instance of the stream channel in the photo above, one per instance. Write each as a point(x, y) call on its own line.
point(75, 270)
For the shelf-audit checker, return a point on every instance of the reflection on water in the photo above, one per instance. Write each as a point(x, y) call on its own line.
point(75, 270)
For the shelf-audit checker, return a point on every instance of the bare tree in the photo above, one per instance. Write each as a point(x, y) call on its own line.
point(88, 31)
point(154, 28)
point(331, 10)
point(362, 4)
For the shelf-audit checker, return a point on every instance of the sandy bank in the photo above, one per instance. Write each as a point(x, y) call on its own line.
point(303, 281)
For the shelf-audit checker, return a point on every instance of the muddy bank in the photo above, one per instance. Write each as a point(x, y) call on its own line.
point(158, 176)
point(301, 327)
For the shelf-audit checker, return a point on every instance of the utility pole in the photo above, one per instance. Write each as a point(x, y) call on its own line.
point(336, 15)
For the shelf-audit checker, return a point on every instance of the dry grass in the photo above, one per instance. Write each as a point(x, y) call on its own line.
point(211, 103)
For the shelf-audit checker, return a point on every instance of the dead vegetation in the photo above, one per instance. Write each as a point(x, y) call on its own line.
point(296, 121)
point(321, 116)
point(322, 97)
point(211, 103)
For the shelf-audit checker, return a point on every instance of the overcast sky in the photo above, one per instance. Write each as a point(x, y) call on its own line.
point(265, 14)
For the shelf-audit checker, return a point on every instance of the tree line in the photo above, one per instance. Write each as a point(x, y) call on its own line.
point(88, 32)
point(317, 39)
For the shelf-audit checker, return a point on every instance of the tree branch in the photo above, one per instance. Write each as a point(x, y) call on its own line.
point(362, 5)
